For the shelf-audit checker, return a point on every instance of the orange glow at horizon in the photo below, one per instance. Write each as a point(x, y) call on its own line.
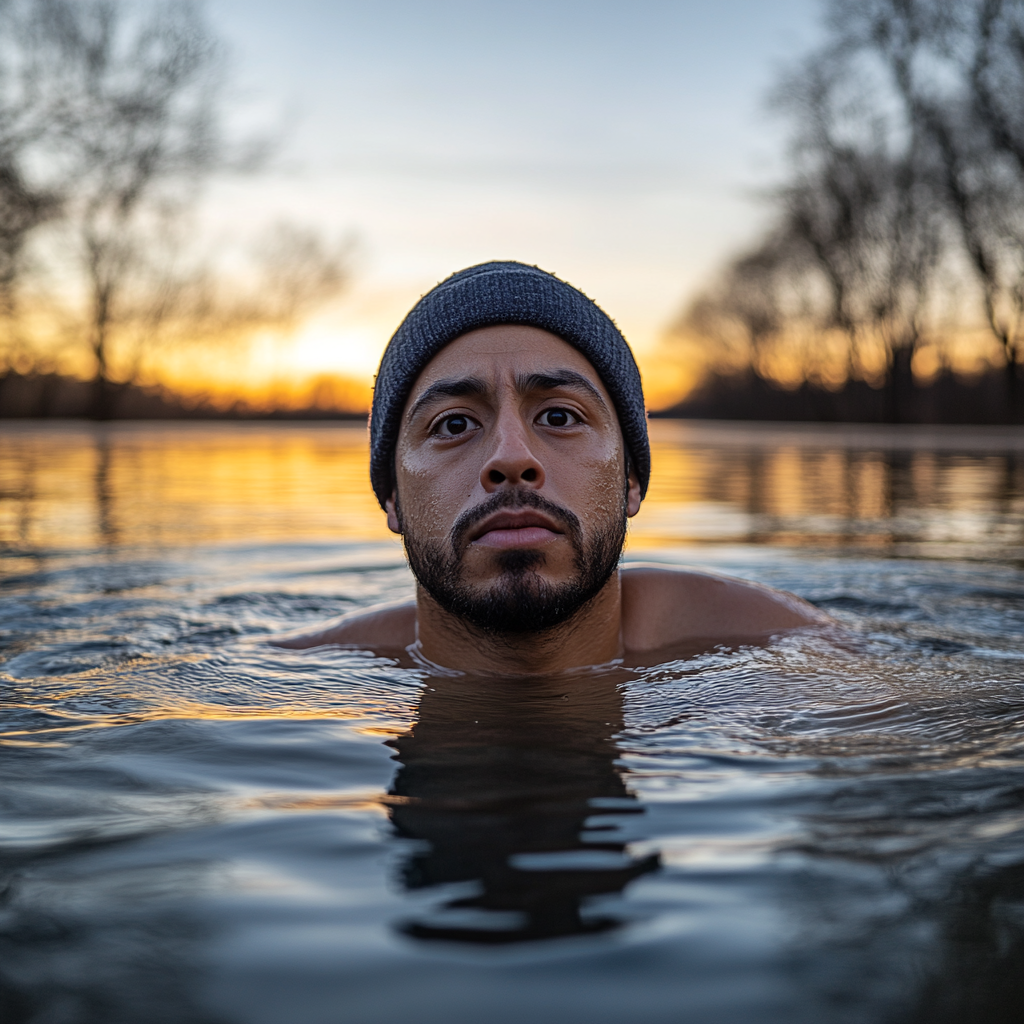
point(327, 364)
point(329, 367)
point(665, 383)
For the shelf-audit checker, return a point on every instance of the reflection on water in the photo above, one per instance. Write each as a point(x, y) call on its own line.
point(66, 487)
point(924, 492)
point(513, 793)
point(978, 975)
point(195, 827)
point(932, 492)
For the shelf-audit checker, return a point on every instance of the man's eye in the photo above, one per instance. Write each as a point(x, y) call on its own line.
point(450, 426)
point(558, 418)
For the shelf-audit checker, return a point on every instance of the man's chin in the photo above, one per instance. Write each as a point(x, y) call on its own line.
point(517, 605)
point(518, 590)
point(500, 566)
point(513, 587)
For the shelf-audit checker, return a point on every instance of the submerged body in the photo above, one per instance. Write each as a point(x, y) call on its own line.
point(658, 608)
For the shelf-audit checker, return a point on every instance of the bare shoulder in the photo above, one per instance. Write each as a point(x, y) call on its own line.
point(383, 627)
point(662, 606)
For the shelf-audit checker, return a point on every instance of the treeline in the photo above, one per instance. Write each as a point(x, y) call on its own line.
point(47, 395)
point(745, 395)
point(110, 128)
point(896, 248)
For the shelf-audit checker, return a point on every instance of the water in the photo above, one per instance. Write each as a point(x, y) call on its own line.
point(197, 827)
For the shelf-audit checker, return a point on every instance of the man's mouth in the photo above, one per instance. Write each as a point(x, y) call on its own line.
point(524, 528)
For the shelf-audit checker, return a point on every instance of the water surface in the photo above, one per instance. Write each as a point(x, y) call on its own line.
point(197, 827)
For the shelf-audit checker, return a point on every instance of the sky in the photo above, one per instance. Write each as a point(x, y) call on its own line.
point(622, 146)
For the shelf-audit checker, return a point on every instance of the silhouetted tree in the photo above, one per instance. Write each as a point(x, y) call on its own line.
point(33, 105)
point(906, 170)
point(145, 136)
point(121, 104)
point(741, 314)
point(860, 216)
point(959, 72)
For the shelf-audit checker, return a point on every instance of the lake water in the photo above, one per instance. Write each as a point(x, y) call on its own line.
point(196, 827)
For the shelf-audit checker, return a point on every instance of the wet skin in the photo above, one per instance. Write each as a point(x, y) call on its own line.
point(512, 407)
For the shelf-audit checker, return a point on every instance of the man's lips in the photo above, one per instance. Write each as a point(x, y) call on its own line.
point(515, 530)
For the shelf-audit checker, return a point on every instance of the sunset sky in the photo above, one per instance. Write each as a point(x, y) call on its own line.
point(618, 145)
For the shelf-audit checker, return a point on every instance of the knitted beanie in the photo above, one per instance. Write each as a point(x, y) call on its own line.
point(502, 293)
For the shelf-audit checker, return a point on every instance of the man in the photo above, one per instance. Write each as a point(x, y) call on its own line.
point(508, 446)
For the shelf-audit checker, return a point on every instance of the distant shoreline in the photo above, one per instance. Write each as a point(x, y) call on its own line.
point(44, 396)
point(949, 400)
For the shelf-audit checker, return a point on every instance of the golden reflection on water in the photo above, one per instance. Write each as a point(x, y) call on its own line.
point(178, 486)
point(942, 490)
point(165, 708)
point(71, 487)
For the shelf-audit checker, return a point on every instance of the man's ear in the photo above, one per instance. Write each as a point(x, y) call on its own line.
point(633, 498)
point(389, 507)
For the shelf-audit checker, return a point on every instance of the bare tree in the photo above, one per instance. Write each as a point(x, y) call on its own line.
point(172, 302)
point(145, 137)
point(907, 167)
point(22, 210)
point(121, 104)
point(739, 317)
point(33, 106)
point(958, 71)
point(859, 214)
point(855, 243)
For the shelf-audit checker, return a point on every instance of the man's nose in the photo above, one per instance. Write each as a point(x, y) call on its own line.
point(512, 460)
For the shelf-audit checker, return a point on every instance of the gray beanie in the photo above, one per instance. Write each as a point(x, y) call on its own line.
point(502, 293)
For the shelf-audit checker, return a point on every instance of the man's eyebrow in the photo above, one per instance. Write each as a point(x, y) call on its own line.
point(450, 387)
point(556, 379)
point(459, 387)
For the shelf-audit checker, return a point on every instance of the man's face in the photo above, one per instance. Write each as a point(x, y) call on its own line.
point(511, 489)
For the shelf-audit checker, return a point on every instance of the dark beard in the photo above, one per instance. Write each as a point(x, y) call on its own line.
point(520, 600)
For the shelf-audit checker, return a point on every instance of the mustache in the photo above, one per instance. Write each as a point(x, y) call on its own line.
point(515, 499)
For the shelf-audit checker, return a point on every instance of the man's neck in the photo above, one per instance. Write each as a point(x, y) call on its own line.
point(593, 636)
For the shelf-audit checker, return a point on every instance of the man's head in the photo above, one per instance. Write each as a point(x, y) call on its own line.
point(506, 452)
